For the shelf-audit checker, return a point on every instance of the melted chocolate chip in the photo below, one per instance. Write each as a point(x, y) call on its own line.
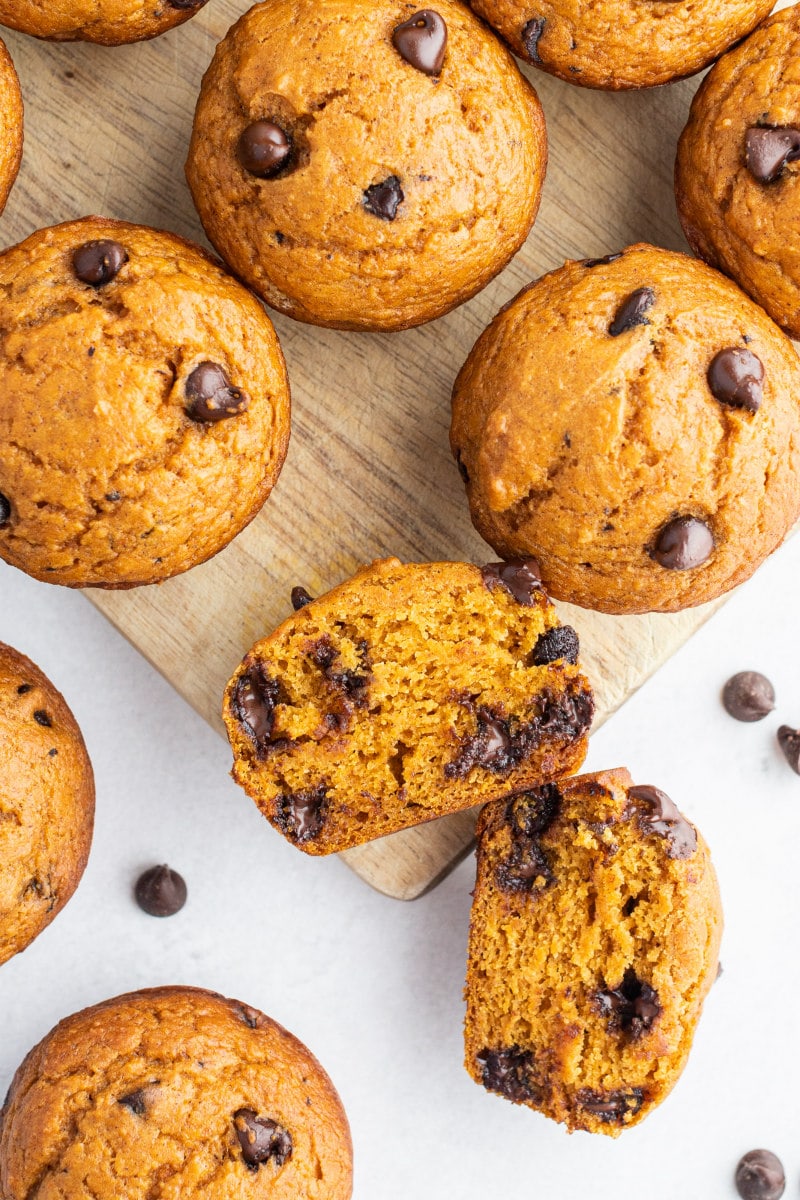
point(736, 377)
point(531, 812)
point(632, 310)
point(531, 34)
point(559, 642)
point(528, 814)
point(663, 817)
point(300, 816)
point(5, 510)
point(760, 1176)
point(42, 718)
point(253, 702)
point(184, 4)
point(300, 598)
point(683, 543)
point(789, 742)
point(384, 199)
point(748, 696)
point(768, 150)
point(602, 262)
point(631, 1009)
point(510, 1073)
point(160, 891)
point(352, 683)
point(24, 688)
point(263, 149)
point(421, 41)
point(611, 1106)
point(98, 262)
point(135, 1101)
point(210, 396)
point(261, 1139)
point(519, 576)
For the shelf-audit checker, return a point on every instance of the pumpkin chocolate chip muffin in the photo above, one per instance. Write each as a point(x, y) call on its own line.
point(407, 692)
point(736, 177)
point(618, 44)
point(634, 423)
point(365, 165)
point(173, 1092)
point(46, 802)
point(10, 125)
point(145, 411)
point(110, 22)
point(594, 940)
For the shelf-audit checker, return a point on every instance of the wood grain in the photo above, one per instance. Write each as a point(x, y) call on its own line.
point(369, 471)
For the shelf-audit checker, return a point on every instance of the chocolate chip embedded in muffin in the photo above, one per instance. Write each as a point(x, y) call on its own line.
point(736, 376)
point(422, 40)
point(760, 1176)
point(748, 696)
point(559, 642)
point(615, 1107)
point(660, 815)
point(633, 311)
point(632, 1008)
point(263, 148)
point(384, 199)
point(520, 576)
point(262, 1139)
point(683, 544)
point(99, 261)
point(768, 150)
point(510, 1073)
point(210, 396)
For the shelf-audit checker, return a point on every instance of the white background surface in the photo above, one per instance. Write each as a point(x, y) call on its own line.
point(373, 985)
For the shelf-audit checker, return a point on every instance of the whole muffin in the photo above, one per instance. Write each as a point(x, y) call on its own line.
point(110, 22)
point(46, 802)
point(173, 1092)
point(616, 44)
point(594, 940)
point(633, 423)
point(365, 165)
point(10, 125)
point(736, 176)
point(145, 411)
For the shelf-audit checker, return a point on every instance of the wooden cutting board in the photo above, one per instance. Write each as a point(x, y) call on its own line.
point(369, 471)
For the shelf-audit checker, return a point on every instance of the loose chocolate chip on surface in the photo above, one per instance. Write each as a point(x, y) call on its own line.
point(736, 377)
point(509, 1072)
point(760, 1176)
point(384, 199)
point(602, 262)
point(263, 148)
point(530, 37)
point(748, 696)
point(160, 891)
point(135, 1101)
point(422, 40)
point(663, 817)
point(632, 310)
point(261, 1139)
point(41, 718)
point(767, 151)
point(5, 510)
point(789, 742)
point(300, 598)
point(611, 1106)
point(301, 815)
point(683, 543)
point(519, 576)
point(253, 702)
point(631, 1008)
point(210, 395)
point(98, 262)
point(559, 642)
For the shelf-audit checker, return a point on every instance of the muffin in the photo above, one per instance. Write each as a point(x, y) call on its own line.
point(173, 1092)
point(407, 692)
point(10, 125)
point(110, 22)
point(634, 423)
point(365, 165)
point(145, 410)
point(618, 44)
point(594, 940)
point(737, 165)
point(46, 802)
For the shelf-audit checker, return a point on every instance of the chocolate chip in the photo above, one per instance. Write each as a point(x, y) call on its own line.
point(602, 262)
point(352, 683)
point(559, 642)
point(519, 576)
point(384, 199)
point(253, 702)
point(760, 1176)
point(530, 37)
point(663, 818)
point(611, 1106)
point(768, 150)
point(251, 1016)
point(631, 311)
point(789, 742)
point(112, 497)
point(527, 865)
point(261, 1139)
point(263, 148)
point(41, 718)
point(24, 688)
point(421, 41)
point(301, 815)
point(5, 510)
point(135, 1101)
point(531, 812)
point(683, 543)
point(300, 598)
point(748, 696)
point(210, 395)
point(160, 891)
point(735, 377)
point(631, 1008)
point(52, 753)
point(183, 4)
point(98, 262)
point(510, 1072)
